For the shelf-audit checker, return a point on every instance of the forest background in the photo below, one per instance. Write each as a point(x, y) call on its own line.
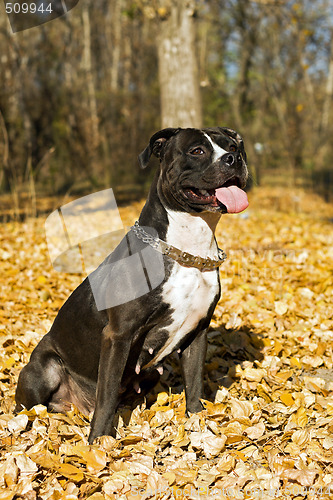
point(80, 96)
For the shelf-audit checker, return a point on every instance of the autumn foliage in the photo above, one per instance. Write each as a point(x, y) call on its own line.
point(266, 428)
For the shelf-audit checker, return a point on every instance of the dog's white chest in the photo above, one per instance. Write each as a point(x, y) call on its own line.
point(189, 293)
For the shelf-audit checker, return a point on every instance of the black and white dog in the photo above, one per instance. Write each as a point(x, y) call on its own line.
point(94, 357)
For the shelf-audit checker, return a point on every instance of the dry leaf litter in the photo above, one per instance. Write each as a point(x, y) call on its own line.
point(266, 428)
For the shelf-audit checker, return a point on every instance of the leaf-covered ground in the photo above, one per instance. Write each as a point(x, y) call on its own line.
point(266, 430)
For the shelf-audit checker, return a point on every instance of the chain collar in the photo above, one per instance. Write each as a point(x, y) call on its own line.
point(183, 258)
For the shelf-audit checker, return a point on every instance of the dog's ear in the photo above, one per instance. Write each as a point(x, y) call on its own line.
point(155, 146)
point(235, 135)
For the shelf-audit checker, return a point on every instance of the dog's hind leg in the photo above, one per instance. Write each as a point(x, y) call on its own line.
point(40, 378)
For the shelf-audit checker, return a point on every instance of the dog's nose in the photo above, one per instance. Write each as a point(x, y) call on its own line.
point(229, 159)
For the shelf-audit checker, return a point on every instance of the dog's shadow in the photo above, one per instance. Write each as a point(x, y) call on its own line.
point(226, 349)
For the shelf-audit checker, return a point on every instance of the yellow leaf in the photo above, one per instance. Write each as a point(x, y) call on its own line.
point(277, 347)
point(300, 437)
point(295, 362)
point(314, 384)
point(235, 439)
point(44, 295)
point(162, 399)
point(11, 472)
point(180, 435)
point(304, 477)
point(287, 399)
point(214, 409)
point(71, 472)
point(241, 408)
point(9, 362)
point(280, 307)
point(263, 393)
point(95, 458)
point(170, 477)
point(240, 455)
point(38, 410)
point(255, 431)
point(163, 408)
point(301, 417)
point(25, 464)
point(233, 428)
point(213, 445)
point(6, 495)
point(46, 460)
point(226, 463)
point(130, 439)
point(283, 376)
point(253, 374)
point(207, 441)
point(18, 423)
point(266, 342)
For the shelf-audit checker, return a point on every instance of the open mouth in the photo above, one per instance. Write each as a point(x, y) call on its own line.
point(229, 196)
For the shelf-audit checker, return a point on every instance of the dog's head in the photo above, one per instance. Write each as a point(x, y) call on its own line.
point(200, 169)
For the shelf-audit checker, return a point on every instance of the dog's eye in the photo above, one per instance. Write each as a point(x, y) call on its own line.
point(197, 151)
point(232, 148)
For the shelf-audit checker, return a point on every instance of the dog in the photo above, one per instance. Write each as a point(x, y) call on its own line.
point(94, 356)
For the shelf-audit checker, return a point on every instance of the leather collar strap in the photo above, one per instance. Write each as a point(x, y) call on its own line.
point(183, 258)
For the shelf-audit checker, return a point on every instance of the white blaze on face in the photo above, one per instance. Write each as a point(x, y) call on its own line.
point(232, 197)
point(218, 151)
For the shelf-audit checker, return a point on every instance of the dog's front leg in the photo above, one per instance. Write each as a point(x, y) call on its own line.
point(114, 354)
point(192, 360)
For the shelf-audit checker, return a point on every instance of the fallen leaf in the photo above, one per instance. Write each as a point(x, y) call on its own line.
point(18, 423)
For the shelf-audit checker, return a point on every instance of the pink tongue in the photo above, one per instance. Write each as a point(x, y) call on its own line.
point(233, 198)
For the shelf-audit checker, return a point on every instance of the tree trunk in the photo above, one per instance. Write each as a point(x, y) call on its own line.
point(117, 33)
point(87, 66)
point(178, 74)
point(329, 91)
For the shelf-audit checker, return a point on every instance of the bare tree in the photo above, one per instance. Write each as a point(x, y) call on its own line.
point(328, 90)
point(178, 65)
point(90, 88)
point(88, 69)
